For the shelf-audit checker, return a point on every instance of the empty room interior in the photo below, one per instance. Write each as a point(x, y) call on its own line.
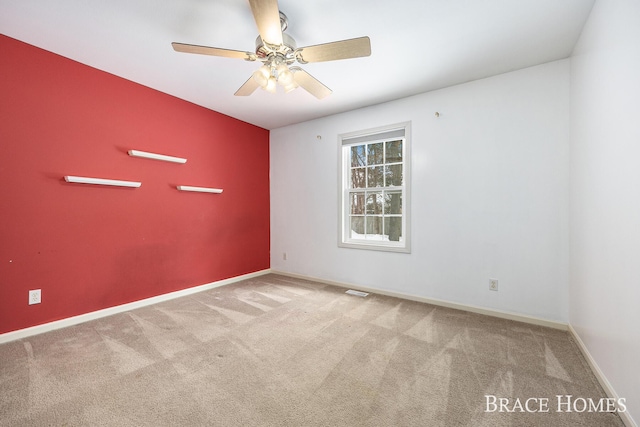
point(189, 189)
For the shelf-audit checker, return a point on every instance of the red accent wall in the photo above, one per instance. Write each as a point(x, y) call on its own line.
point(92, 247)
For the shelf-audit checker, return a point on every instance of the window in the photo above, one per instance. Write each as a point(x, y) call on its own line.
point(374, 189)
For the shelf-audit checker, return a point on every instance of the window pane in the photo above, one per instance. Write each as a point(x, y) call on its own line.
point(357, 204)
point(357, 227)
point(394, 151)
point(393, 175)
point(376, 176)
point(358, 178)
point(393, 228)
point(393, 203)
point(358, 156)
point(374, 228)
point(374, 204)
point(374, 154)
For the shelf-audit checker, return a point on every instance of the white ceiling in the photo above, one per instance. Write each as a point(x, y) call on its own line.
point(417, 45)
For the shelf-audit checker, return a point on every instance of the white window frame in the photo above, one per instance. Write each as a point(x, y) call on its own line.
point(368, 136)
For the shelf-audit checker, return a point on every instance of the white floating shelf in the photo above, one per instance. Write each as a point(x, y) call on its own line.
point(101, 181)
point(154, 156)
point(199, 189)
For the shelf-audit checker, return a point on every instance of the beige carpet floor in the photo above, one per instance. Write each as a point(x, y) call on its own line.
point(277, 351)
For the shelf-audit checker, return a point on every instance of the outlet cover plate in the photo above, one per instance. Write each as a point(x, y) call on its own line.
point(493, 284)
point(35, 296)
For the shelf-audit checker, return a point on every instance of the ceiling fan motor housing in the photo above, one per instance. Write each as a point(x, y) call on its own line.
point(286, 49)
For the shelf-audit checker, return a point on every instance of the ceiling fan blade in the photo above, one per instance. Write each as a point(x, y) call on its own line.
point(248, 87)
point(267, 16)
point(344, 49)
point(214, 51)
point(310, 83)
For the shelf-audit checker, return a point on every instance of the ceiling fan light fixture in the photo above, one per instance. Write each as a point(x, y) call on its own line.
point(285, 76)
point(271, 85)
point(262, 75)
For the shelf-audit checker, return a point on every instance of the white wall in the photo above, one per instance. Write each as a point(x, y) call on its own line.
point(605, 194)
point(489, 195)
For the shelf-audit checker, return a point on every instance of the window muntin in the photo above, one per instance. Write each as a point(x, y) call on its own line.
point(375, 193)
point(373, 208)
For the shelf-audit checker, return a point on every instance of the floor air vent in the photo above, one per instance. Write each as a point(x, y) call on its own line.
point(357, 293)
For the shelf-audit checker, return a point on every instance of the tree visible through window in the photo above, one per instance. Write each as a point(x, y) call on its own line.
point(374, 190)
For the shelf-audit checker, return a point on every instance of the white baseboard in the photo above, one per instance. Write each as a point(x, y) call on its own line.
point(70, 321)
point(442, 303)
point(604, 383)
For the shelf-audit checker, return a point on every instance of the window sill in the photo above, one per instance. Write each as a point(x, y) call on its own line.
point(375, 246)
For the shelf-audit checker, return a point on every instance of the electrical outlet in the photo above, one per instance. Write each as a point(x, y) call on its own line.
point(284, 256)
point(493, 284)
point(35, 296)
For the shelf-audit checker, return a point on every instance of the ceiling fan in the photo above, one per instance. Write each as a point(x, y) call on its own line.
point(278, 51)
